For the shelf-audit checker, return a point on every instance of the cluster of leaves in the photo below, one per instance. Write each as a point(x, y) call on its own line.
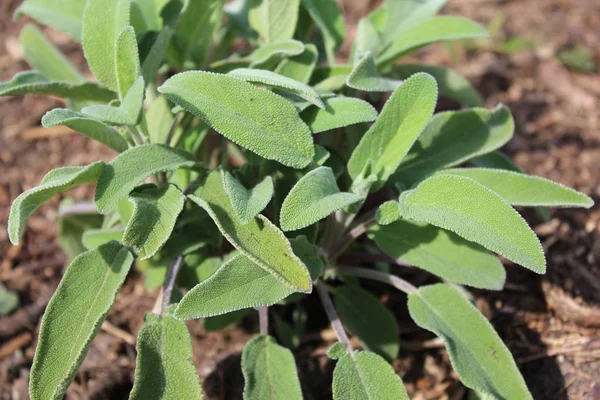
point(271, 148)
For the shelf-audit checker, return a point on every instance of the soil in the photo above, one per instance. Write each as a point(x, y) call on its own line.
point(551, 323)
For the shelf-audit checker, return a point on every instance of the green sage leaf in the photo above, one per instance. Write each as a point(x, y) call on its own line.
point(43, 56)
point(269, 371)
point(433, 30)
point(131, 167)
point(94, 238)
point(479, 357)
point(129, 112)
point(455, 203)
point(281, 82)
point(401, 121)
point(62, 15)
point(155, 211)
point(400, 16)
point(164, 367)
point(247, 204)
point(156, 55)
point(328, 17)
point(300, 67)
point(259, 239)
point(368, 319)
point(127, 60)
point(364, 76)
point(441, 252)
point(309, 254)
point(251, 117)
point(85, 125)
point(56, 181)
point(274, 20)
point(237, 284)
point(454, 137)
point(524, 190)
point(34, 82)
point(272, 53)
point(314, 197)
point(339, 112)
point(73, 317)
point(364, 375)
point(103, 21)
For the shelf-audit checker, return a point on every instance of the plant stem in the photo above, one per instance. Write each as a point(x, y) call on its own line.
point(336, 324)
point(384, 277)
point(169, 283)
point(172, 129)
point(263, 320)
point(362, 225)
point(353, 258)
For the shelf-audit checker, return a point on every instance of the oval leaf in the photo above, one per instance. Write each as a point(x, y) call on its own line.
point(477, 353)
point(269, 371)
point(272, 53)
point(338, 112)
point(364, 375)
point(130, 168)
point(247, 204)
point(274, 20)
point(34, 82)
point(103, 21)
point(273, 79)
point(401, 121)
point(85, 125)
point(127, 60)
point(155, 211)
point(74, 315)
point(433, 30)
point(259, 240)
point(164, 368)
point(475, 213)
point(440, 252)
point(524, 190)
point(251, 117)
point(453, 137)
point(314, 197)
point(364, 76)
point(237, 284)
point(300, 67)
point(367, 318)
point(56, 181)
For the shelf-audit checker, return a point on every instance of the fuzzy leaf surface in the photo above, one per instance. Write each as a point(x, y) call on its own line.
point(269, 371)
point(164, 367)
point(474, 212)
point(367, 318)
point(398, 126)
point(441, 252)
point(273, 79)
point(300, 67)
point(524, 190)
point(128, 112)
point(309, 254)
point(247, 203)
point(259, 240)
point(103, 21)
point(453, 137)
point(127, 60)
point(433, 30)
point(34, 82)
point(274, 20)
point(275, 52)
point(339, 112)
point(237, 284)
point(366, 376)
point(87, 126)
point(477, 353)
point(62, 15)
point(56, 181)
point(388, 212)
point(155, 211)
point(131, 167)
point(364, 76)
point(403, 15)
point(254, 118)
point(74, 315)
point(43, 56)
point(314, 197)
point(328, 17)
point(450, 83)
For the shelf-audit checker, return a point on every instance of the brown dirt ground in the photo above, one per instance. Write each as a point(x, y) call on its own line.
point(550, 323)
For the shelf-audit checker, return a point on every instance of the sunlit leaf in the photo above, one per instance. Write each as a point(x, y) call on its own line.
point(274, 20)
point(128, 112)
point(247, 203)
point(364, 76)
point(127, 60)
point(328, 17)
point(63, 15)
point(273, 53)
point(339, 112)
point(300, 67)
point(97, 237)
